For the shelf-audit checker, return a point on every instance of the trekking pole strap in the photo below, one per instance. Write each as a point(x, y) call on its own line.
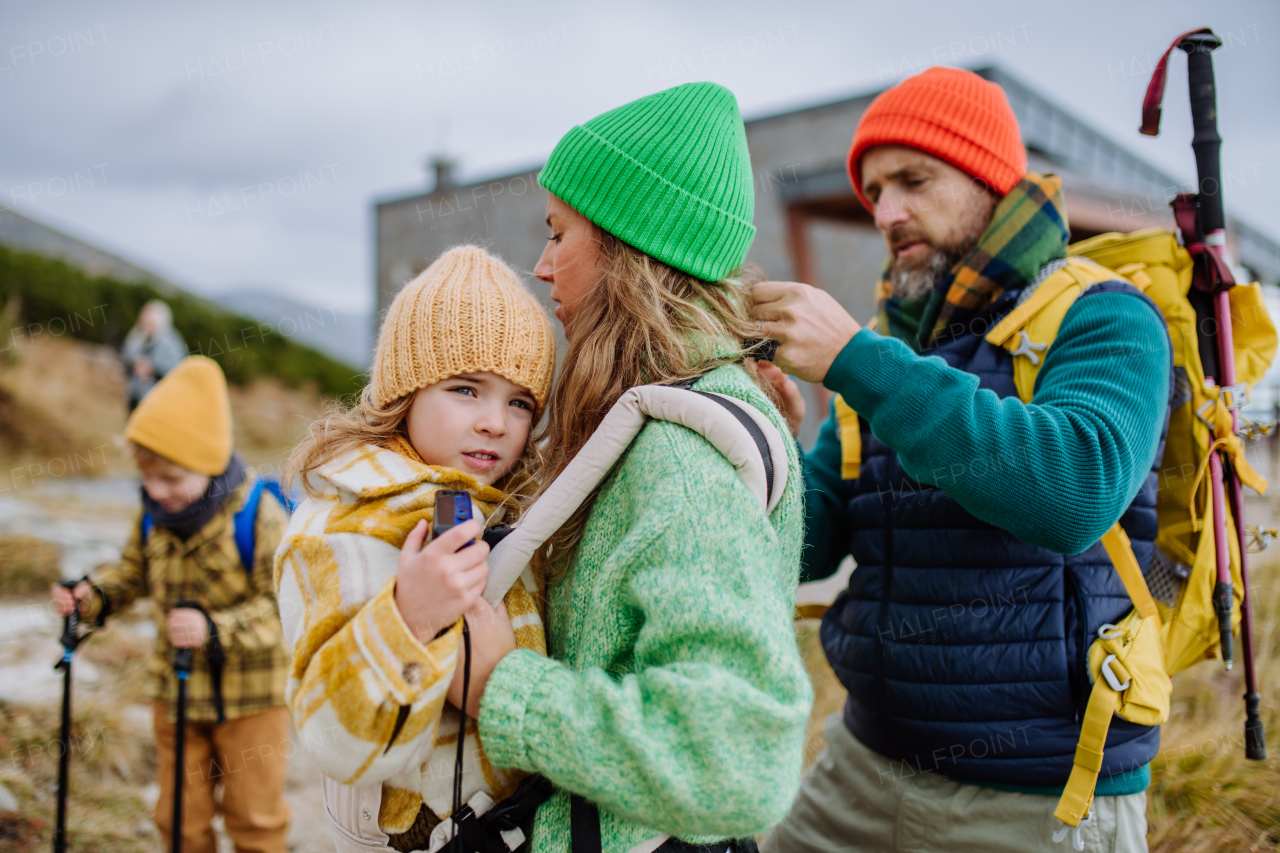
point(215, 654)
point(1151, 102)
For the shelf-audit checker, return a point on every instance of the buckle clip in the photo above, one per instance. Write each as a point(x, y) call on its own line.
point(1028, 347)
point(1206, 406)
point(1233, 396)
point(1112, 681)
point(1107, 631)
point(1077, 832)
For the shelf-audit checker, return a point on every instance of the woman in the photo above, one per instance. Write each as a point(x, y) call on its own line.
point(151, 349)
point(674, 699)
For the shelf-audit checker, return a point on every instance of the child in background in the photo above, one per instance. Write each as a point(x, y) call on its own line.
point(184, 556)
point(372, 616)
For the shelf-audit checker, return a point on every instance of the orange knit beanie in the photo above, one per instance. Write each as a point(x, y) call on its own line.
point(952, 114)
point(466, 313)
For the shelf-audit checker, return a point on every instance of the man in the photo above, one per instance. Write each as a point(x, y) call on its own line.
point(973, 518)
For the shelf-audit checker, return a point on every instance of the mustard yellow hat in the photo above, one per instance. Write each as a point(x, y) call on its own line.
point(466, 313)
point(186, 417)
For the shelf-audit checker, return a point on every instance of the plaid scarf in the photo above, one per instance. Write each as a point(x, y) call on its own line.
point(1028, 229)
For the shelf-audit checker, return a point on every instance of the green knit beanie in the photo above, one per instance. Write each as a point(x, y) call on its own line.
point(668, 174)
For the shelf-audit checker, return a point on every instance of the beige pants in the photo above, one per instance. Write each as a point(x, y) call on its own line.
point(855, 800)
point(247, 757)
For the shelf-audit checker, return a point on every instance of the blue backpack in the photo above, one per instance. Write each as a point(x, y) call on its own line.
point(244, 519)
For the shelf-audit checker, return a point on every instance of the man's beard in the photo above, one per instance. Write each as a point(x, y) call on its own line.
point(915, 278)
point(918, 280)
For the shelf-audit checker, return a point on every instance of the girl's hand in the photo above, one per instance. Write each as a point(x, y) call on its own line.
point(65, 600)
point(789, 399)
point(437, 584)
point(492, 639)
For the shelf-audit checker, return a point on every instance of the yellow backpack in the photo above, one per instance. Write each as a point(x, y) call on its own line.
point(1173, 624)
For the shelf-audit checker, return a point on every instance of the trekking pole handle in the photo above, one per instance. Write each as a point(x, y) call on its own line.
point(1206, 142)
point(183, 659)
point(70, 622)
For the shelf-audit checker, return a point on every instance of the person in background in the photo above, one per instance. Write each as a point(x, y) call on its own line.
point(183, 554)
point(974, 519)
point(152, 348)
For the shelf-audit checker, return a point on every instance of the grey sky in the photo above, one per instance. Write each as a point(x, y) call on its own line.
point(236, 145)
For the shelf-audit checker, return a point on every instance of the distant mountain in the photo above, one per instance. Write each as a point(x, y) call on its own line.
point(27, 235)
point(342, 335)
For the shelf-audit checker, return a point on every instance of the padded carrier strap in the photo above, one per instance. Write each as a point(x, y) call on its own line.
point(741, 432)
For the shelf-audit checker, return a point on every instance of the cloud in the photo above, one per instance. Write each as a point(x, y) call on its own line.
point(188, 109)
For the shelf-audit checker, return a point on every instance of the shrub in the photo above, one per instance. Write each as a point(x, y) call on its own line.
point(28, 566)
point(48, 296)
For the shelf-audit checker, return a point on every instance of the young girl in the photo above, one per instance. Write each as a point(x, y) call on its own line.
point(372, 615)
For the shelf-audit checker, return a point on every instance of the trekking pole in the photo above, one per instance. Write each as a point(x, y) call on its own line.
point(182, 661)
point(70, 639)
point(1202, 221)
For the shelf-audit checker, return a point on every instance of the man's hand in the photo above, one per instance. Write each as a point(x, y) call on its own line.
point(787, 393)
point(188, 629)
point(492, 639)
point(809, 325)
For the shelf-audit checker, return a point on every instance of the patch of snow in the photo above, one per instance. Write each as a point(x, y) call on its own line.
point(8, 802)
point(34, 680)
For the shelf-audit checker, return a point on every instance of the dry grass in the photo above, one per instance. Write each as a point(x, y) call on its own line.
point(62, 400)
point(28, 566)
point(269, 420)
point(111, 760)
point(62, 413)
point(1204, 795)
point(112, 757)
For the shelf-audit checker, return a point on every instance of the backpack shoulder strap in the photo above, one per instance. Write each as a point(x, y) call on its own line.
point(742, 434)
point(1031, 328)
point(275, 488)
point(246, 522)
point(850, 440)
point(147, 523)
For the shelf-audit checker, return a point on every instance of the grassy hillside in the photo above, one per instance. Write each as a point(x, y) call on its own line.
point(62, 412)
point(47, 297)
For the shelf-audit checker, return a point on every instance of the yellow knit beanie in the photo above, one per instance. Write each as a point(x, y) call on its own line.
point(186, 417)
point(466, 313)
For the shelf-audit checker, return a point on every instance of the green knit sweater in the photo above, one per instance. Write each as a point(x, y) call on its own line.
point(674, 696)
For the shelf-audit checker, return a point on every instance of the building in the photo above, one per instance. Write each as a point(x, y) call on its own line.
point(810, 225)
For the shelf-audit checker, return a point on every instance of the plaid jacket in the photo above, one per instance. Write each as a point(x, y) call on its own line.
point(206, 568)
point(367, 697)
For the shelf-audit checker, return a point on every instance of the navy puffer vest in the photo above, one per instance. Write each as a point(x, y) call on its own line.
point(963, 647)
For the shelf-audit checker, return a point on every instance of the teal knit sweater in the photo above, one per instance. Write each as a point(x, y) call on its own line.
point(674, 696)
point(1086, 440)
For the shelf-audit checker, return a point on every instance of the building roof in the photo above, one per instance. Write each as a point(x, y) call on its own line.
point(1093, 166)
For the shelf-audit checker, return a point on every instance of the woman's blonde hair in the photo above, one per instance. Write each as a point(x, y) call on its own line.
point(645, 322)
point(341, 429)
